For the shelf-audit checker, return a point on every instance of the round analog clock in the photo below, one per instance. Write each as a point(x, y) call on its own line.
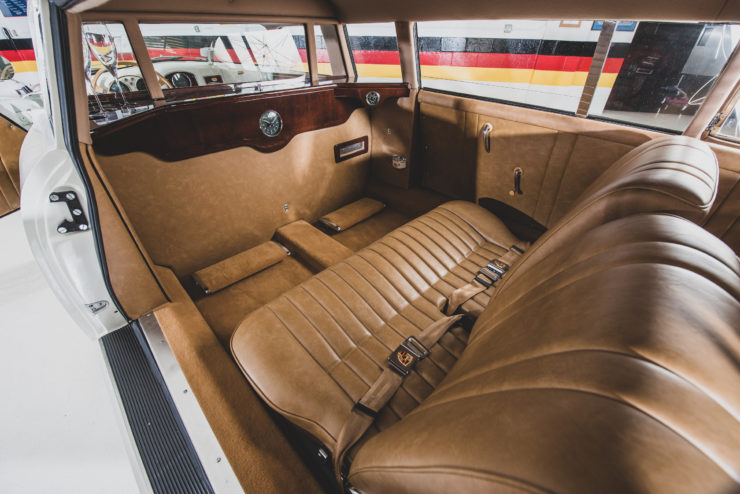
point(372, 98)
point(270, 123)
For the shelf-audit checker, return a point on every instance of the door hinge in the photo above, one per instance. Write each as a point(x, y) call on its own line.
point(79, 221)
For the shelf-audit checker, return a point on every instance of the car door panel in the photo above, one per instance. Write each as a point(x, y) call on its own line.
point(558, 155)
point(514, 146)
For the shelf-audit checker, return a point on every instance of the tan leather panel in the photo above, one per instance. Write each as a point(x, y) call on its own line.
point(559, 156)
point(313, 352)
point(588, 159)
point(398, 117)
point(312, 245)
point(562, 123)
point(131, 271)
point(194, 213)
point(337, 329)
point(236, 268)
point(514, 145)
point(256, 448)
point(676, 175)
point(351, 214)
point(447, 148)
point(556, 168)
point(4, 205)
point(612, 367)
point(11, 138)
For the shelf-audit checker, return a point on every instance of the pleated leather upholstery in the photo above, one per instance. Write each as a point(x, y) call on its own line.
point(612, 366)
point(313, 352)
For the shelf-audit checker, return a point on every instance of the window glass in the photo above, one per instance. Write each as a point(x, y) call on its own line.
point(19, 80)
point(114, 83)
point(234, 58)
point(375, 52)
point(538, 63)
point(659, 73)
point(328, 53)
point(731, 126)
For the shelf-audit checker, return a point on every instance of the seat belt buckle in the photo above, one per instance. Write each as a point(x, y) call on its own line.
point(487, 274)
point(498, 266)
point(404, 358)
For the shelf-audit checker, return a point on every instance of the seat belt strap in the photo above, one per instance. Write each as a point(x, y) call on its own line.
point(486, 277)
point(400, 363)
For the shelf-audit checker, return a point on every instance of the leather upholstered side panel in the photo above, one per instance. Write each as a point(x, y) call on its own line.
point(559, 155)
point(447, 150)
point(129, 267)
point(393, 134)
point(193, 213)
point(11, 138)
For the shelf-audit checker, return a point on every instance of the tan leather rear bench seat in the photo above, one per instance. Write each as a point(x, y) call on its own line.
point(315, 351)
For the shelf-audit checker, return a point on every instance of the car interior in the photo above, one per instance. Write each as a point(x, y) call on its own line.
point(375, 284)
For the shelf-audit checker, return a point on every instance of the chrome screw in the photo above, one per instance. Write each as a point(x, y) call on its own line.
point(70, 196)
point(61, 229)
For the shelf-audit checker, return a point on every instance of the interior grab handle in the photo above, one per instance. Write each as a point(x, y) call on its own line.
point(486, 133)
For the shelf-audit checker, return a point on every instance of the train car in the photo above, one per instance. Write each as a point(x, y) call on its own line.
point(545, 64)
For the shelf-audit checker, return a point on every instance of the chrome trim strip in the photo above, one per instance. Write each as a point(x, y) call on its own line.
point(204, 441)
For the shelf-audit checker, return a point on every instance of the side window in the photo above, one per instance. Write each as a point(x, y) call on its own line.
point(329, 54)
point(375, 52)
point(238, 58)
point(115, 86)
point(731, 126)
point(536, 63)
point(19, 79)
point(662, 72)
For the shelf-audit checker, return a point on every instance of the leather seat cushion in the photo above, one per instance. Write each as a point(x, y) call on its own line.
point(612, 367)
point(314, 351)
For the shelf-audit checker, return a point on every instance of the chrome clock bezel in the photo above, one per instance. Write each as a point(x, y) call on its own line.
point(372, 98)
point(267, 122)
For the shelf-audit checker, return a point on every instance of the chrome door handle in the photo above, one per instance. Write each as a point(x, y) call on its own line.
point(487, 137)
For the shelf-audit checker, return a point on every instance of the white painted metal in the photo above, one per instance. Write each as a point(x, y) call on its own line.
point(59, 427)
point(69, 261)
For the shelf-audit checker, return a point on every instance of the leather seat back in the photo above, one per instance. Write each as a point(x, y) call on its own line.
point(614, 366)
point(674, 175)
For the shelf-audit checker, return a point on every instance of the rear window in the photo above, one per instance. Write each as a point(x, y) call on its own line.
point(375, 52)
point(656, 74)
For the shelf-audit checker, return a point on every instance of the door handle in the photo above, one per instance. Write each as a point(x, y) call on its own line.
point(486, 133)
point(517, 183)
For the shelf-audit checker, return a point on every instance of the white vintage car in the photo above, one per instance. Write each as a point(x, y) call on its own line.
point(373, 247)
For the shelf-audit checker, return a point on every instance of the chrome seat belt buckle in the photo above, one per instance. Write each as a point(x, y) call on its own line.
point(498, 266)
point(404, 358)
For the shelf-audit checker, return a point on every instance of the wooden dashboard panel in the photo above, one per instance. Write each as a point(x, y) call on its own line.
point(184, 130)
